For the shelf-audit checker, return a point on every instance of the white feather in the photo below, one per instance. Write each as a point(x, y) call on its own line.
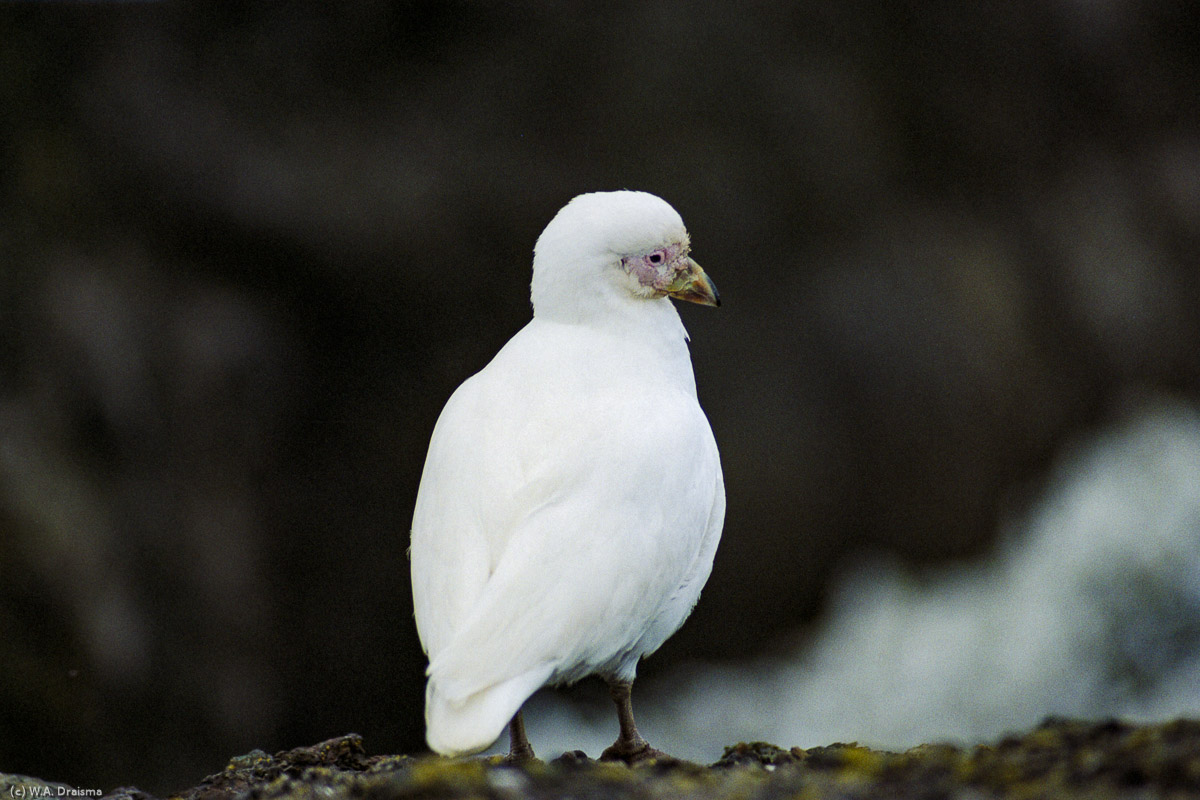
point(572, 497)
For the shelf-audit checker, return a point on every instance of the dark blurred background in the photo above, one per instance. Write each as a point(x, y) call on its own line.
point(248, 254)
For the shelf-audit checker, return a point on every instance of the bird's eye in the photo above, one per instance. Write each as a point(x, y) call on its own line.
point(656, 258)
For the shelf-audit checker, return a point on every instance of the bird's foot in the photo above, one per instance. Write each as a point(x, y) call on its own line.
point(520, 755)
point(636, 751)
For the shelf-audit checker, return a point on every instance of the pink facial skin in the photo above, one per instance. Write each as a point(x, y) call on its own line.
point(657, 269)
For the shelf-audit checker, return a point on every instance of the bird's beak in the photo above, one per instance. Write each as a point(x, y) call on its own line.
point(694, 286)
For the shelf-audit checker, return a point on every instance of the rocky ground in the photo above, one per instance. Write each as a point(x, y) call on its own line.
point(1058, 759)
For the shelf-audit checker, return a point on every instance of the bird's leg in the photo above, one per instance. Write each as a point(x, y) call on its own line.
point(629, 746)
point(519, 748)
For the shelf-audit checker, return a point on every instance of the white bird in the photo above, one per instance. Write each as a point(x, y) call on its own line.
point(572, 498)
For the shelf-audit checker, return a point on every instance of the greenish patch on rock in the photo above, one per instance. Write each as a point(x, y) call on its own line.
point(1068, 759)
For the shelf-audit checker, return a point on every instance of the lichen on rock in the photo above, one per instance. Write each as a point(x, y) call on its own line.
point(1058, 759)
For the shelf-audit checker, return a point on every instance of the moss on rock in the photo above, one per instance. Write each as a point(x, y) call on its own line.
point(1058, 759)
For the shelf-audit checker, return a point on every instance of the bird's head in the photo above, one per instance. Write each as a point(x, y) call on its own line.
point(621, 244)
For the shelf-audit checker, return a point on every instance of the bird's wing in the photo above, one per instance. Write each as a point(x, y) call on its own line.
point(610, 525)
point(475, 487)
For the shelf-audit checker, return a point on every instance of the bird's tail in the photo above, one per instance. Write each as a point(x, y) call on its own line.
point(459, 724)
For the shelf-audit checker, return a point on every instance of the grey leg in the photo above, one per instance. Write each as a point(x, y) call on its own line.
point(630, 746)
point(519, 747)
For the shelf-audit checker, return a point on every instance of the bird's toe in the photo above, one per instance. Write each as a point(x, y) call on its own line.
point(520, 755)
point(636, 752)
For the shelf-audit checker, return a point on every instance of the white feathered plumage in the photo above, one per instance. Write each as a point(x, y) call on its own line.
point(572, 497)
